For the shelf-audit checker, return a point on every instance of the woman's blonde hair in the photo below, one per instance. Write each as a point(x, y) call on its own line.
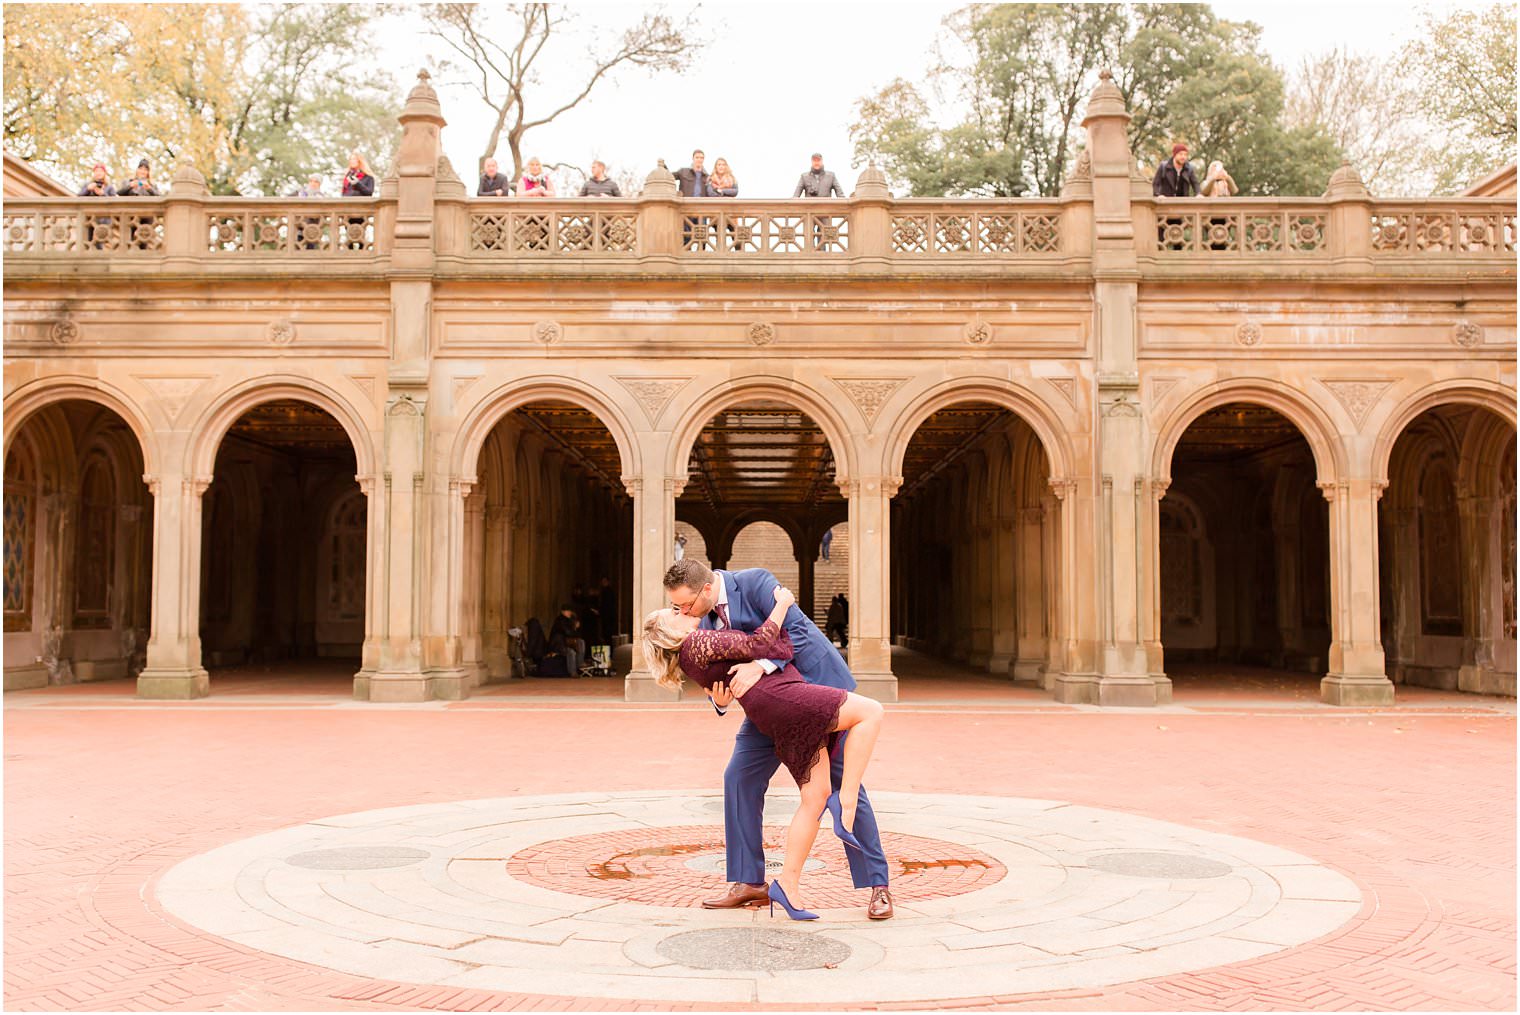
point(726, 172)
point(363, 163)
point(662, 647)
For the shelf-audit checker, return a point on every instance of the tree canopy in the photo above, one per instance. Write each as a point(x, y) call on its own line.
point(255, 98)
point(1011, 82)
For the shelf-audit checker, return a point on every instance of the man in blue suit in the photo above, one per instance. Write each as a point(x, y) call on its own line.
point(742, 600)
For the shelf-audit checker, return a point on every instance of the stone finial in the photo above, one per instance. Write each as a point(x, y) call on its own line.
point(1106, 99)
point(872, 185)
point(188, 182)
point(1346, 183)
point(422, 102)
point(660, 182)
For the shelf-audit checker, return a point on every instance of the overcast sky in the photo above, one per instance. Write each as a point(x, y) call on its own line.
point(780, 80)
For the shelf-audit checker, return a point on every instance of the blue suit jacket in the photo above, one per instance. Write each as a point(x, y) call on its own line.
point(751, 597)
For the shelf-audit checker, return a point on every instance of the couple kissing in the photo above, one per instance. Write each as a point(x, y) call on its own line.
point(741, 637)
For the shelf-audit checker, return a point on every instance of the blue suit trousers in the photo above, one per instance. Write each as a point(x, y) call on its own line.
point(745, 780)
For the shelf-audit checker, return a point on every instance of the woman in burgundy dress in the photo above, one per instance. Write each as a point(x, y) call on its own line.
point(799, 717)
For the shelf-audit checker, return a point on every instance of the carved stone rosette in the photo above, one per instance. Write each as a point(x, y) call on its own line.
point(1467, 334)
point(64, 331)
point(761, 333)
point(978, 332)
point(281, 332)
point(548, 333)
point(1248, 333)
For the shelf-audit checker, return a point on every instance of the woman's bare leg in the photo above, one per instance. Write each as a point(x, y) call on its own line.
point(862, 717)
point(804, 827)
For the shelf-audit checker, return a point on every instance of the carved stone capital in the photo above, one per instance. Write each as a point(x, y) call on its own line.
point(1062, 488)
point(1159, 487)
point(633, 484)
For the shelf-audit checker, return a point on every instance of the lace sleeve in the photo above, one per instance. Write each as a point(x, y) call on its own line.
point(769, 642)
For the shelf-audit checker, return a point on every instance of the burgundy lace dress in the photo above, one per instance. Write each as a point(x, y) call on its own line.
point(799, 717)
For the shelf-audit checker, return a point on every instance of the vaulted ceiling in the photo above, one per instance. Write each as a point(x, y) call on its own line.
point(761, 452)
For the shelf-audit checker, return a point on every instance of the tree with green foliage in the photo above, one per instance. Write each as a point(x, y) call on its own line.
point(255, 98)
point(1019, 76)
point(1463, 69)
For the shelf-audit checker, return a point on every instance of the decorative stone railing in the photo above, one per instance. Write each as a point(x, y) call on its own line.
point(1455, 227)
point(929, 228)
point(867, 235)
point(1260, 227)
point(84, 227)
point(1296, 229)
point(554, 227)
point(762, 228)
point(299, 228)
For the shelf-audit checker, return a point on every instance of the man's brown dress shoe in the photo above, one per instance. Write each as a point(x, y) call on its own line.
point(741, 895)
point(881, 903)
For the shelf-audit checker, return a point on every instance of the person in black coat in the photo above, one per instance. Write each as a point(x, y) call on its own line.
point(1174, 177)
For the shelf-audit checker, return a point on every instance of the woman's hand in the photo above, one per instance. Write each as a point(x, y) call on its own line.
point(784, 597)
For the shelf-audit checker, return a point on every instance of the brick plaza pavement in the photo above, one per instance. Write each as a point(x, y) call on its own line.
point(105, 794)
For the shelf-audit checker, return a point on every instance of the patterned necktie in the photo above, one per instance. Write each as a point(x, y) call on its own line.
point(723, 614)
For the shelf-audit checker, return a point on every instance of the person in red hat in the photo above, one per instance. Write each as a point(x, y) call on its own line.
point(1174, 177)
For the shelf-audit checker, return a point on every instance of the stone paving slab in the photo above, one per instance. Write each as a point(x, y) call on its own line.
point(1099, 896)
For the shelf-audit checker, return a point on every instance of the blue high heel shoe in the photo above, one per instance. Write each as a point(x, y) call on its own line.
point(835, 809)
point(777, 894)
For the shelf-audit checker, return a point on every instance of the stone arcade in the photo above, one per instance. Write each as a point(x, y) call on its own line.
point(1076, 442)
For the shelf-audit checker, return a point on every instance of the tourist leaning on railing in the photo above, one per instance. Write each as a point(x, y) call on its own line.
point(722, 183)
point(310, 224)
point(535, 182)
point(99, 186)
point(818, 182)
point(1217, 182)
point(1174, 177)
point(493, 182)
point(357, 182)
point(140, 185)
point(599, 185)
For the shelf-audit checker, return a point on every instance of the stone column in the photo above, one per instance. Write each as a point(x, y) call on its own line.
point(654, 527)
point(405, 485)
point(870, 586)
point(1357, 674)
point(398, 674)
point(174, 646)
point(1121, 507)
point(806, 575)
point(1005, 588)
point(496, 619)
point(1029, 598)
point(1483, 605)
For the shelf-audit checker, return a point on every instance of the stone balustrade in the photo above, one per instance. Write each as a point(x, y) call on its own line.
point(873, 234)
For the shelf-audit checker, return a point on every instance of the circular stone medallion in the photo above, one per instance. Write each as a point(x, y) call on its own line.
point(758, 948)
point(1140, 864)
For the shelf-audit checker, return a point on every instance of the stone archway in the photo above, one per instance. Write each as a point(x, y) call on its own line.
point(975, 527)
point(1244, 552)
point(547, 523)
point(283, 576)
point(78, 546)
point(1446, 526)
